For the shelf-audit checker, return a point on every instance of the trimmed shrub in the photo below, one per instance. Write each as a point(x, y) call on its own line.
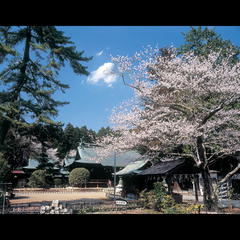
point(79, 176)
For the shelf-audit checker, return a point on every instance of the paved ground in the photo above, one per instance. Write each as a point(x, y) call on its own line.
point(68, 197)
point(92, 197)
point(223, 203)
point(192, 198)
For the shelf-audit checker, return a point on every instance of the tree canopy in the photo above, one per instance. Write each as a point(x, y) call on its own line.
point(191, 102)
point(71, 136)
point(202, 41)
point(30, 78)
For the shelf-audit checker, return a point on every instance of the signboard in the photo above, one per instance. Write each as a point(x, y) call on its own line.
point(123, 203)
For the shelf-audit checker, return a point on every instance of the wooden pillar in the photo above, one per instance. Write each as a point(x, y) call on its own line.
point(169, 183)
point(195, 186)
point(146, 182)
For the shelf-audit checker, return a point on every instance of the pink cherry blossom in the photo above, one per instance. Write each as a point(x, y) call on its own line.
point(175, 101)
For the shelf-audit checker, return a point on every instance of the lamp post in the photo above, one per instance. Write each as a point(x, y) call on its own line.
point(114, 181)
point(114, 178)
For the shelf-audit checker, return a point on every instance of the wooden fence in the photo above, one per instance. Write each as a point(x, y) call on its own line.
point(80, 207)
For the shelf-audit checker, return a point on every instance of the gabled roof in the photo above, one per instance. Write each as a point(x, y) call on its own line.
point(68, 161)
point(122, 159)
point(33, 163)
point(168, 167)
point(134, 167)
point(87, 154)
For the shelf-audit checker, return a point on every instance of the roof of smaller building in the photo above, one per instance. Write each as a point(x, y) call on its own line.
point(33, 163)
point(133, 167)
point(167, 167)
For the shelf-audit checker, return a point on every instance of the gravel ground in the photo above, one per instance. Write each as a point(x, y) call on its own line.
point(71, 197)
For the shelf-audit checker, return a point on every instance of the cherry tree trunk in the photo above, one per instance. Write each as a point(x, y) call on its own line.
point(209, 204)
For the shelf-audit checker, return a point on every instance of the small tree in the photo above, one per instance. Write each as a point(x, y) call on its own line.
point(40, 179)
point(79, 176)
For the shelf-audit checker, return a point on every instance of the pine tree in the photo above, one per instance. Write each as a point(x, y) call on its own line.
point(77, 136)
point(201, 41)
point(69, 133)
point(103, 132)
point(85, 134)
point(31, 77)
point(92, 135)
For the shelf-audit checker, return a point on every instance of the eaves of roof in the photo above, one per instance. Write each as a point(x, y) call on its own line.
point(132, 167)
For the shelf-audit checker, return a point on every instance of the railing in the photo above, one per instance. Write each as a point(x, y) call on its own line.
point(111, 195)
point(55, 190)
point(23, 208)
point(80, 207)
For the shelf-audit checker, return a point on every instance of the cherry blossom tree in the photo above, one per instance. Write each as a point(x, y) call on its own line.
point(178, 101)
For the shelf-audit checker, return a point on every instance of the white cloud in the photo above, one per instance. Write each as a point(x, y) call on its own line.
point(100, 53)
point(100, 73)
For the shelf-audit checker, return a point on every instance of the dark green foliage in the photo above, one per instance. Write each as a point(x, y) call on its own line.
point(30, 81)
point(107, 131)
point(154, 199)
point(30, 78)
point(5, 172)
point(70, 137)
point(103, 132)
point(201, 41)
point(40, 179)
point(79, 176)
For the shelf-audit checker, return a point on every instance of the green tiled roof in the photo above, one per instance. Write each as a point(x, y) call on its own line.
point(88, 154)
point(134, 167)
point(34, 162)
point(68, 161)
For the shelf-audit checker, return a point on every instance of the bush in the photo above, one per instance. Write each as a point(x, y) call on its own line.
point(170, 207)
point(154, 198)
point(157, 199)
point(79, 176)
point(40, 179)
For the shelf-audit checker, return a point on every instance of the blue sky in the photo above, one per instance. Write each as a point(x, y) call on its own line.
point(91, 98)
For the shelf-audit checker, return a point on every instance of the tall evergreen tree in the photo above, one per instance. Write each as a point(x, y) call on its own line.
point(85, 134)
point(103, 132)
point(201, 41)
point(30, 77)
point(77, 137)
point(70, 138)
point(69, 133)
point(92, 135)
